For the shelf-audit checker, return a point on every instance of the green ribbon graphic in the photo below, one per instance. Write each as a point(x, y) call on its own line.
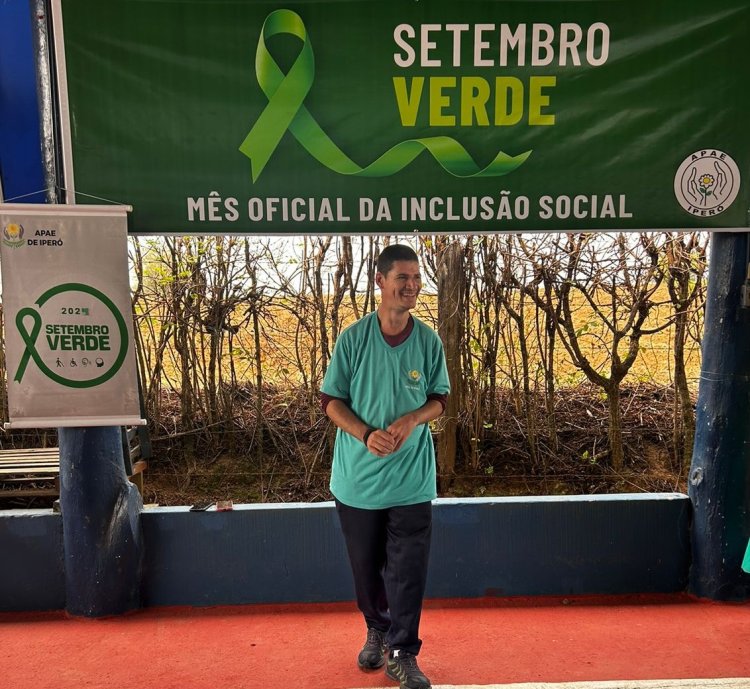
point(286, 94)
point(29, 337)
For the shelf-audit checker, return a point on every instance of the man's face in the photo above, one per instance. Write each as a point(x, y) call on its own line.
point(400, 287)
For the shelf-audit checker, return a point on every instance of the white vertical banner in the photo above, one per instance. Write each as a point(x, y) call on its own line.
point(69, 348)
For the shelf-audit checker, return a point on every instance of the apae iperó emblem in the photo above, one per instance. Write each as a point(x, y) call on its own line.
point(13, 235)
point(707, 182)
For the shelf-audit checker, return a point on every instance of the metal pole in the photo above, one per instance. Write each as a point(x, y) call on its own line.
point(40, 34)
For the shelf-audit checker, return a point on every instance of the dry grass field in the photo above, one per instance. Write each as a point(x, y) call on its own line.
point(289, 342)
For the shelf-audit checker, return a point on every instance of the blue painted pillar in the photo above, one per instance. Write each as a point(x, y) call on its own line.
point(719, 481)
point(21, 165)
point(102, 539)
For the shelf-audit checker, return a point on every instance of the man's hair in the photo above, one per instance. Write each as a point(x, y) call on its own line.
point(392, 253)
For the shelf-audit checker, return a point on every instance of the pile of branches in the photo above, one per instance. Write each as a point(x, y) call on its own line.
point(288, 449)
point(284, 454)
point(576, 460)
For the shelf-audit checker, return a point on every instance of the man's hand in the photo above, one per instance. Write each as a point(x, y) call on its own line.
point(381, 443)
point(401, 429)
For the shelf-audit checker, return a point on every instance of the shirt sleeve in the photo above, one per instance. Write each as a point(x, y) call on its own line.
point(338, 377)
point(443, 399)
point(325, 400)
point(439, 383)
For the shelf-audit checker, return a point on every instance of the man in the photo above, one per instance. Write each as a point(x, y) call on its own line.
point(387, 380)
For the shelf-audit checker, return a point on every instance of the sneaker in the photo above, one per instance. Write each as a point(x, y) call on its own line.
point(372, 655)
point(402, 667)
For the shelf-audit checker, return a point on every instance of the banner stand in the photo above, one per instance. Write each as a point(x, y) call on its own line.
point(71, 365)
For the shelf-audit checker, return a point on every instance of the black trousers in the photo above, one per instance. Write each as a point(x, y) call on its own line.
point(389, 550)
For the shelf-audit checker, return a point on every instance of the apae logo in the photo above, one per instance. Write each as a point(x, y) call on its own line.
point(13, 235)
point(707, 182)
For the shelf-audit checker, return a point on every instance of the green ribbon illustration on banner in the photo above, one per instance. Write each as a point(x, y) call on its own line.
point(30, 335)
point(285, 110)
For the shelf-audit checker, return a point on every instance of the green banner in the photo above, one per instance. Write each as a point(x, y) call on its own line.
point(395, 116)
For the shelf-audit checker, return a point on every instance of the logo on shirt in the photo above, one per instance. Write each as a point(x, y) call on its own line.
point(415, 375)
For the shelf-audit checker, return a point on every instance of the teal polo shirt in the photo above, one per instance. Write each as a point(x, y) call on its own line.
point(382, 383)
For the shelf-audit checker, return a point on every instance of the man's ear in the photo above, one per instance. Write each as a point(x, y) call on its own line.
point(379, 280)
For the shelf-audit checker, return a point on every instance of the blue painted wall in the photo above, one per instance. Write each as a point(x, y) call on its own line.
point(31, 560)
point(572, 545)
point(616, 544)
point(21, 170)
